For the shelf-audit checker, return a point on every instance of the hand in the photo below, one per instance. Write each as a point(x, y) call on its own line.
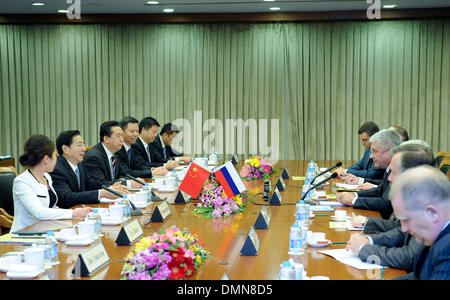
point(341, 172)
point(345, 198)
point(121, 189)
point(358, 221)
point(355, 243)
point(81, 213)
point(351, 179)
point(366, 186)
point(136, 185)
point(160, 171)
point(186, 159)
point(171, 164)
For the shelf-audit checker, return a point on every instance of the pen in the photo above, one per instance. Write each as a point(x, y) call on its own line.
point(362, 230)
point(382, 271)
point(317, 215)
point(339, 243)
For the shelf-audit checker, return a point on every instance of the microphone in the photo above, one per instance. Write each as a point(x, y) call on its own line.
point(135, 179)
point(327, 170)
point(334, 175)
point(135, 212)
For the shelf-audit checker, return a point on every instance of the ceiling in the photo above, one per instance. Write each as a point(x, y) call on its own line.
point(205, 6)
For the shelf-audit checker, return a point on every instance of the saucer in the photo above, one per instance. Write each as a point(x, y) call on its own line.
point(336, 219)
point(79, 242)
point(140, 204)
point(22, 271)
point(108, 220)
point(319, 244)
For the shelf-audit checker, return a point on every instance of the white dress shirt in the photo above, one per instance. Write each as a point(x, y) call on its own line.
point(32, 200)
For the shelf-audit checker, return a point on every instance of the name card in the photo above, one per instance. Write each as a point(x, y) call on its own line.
point(129, 233)
point(281, 185)
point(276, 197)
point(161, 212)
point(182, 197)
point(285, 174)
point(234, 160)
point(263, 220)
point(91, 260)
point(251, 245)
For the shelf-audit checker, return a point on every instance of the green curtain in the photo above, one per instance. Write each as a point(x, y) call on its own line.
point(318, 81)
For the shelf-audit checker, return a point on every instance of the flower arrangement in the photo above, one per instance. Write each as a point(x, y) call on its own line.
point(256, 168)
point(170, 254)
point(214, 203)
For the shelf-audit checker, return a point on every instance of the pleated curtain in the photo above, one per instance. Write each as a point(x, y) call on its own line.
point(305, 87)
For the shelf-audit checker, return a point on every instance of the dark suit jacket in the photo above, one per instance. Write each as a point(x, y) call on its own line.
point(434, 262)
point(394, 248)
point(66, 186)
point(97, 164)
point(142, 153)
point(378, 225)
point(157, 151)
point(136, 165)
point(376, 199)
point(365, 168)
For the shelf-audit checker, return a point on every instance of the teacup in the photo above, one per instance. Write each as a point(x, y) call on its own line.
point(34, 256)
point(85, 228)
point(116, 210)
point(340, 214)
point(141, 196)
point(318, 236)
point(159, 182)
point(170, 182)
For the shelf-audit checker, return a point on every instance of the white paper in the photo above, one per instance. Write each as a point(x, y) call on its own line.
point(106, 200)
point(331, 203)
point(348, 258)
point(347, 186)
point(350, 227)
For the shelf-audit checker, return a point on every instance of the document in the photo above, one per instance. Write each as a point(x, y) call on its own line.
point(348, 258)
point(298, 178)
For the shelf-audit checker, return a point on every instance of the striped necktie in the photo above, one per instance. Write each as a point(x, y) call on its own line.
point(113, 167)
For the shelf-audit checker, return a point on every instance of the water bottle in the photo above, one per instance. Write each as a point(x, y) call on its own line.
point(302, 211)
point(216, 155)
point(95, 216)
point(286, 271)
point(298, 269)
point(51, 250)
point(295, 243)
point(205, 158)
point(147, 189)
point(126, 210)
point(174, 174)
point(303, 234)
point(304, 189)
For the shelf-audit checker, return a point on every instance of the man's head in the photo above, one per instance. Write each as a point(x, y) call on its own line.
point(168, 132)
point(130, 130)
point(402, 132)
point(148, 129)
point(381, 144)
point(407, 156)
point(111, 136)
point(71, 145)
point(366, 131)
point(421, 200)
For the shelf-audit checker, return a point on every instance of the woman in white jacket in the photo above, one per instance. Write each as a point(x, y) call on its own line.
point(34, 196)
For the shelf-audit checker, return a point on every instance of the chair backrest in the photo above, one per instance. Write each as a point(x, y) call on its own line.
point(440, 157)
point(445, 166)
point(7, 175)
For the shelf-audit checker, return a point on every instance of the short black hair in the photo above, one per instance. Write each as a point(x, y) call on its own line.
point(147, 122)
point(65, 138)
point(124, 122)
point(369, 127)
point(169, 128)
point(105, 129)
point(36, 147)
point(402, 132)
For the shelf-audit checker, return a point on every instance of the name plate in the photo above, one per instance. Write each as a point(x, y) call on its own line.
point(161, 212)
point(129, 233)
point(276, 197)
point(91, 260)
point(285, 174)
point(234, 160)
point(263, 220)
point(281, 185)
point(182, 197)
point(251, 245)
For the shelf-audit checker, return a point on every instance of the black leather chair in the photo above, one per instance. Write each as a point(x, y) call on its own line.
point(7, 175)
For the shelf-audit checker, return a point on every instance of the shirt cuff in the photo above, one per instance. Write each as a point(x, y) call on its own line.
point(360, 180)
point(370, 240)
point(177, 159)
point(354, 199)
point(129, 184)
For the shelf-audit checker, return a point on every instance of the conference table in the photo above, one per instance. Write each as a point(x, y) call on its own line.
point(224, 238)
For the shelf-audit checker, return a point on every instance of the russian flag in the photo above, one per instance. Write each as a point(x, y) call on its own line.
point(229, 179)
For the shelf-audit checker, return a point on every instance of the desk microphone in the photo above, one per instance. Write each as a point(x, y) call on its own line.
point(135, 212)
point(327, 170)
point(334, 175)
point(135, 179)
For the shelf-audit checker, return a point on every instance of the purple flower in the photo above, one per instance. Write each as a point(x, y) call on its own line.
point(227, 210)
point(143, 275)
point(216, 213)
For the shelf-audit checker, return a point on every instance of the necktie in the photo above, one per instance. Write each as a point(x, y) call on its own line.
point(77, 172)
point(164, 148)
point(148, 154)
point(113, 167)
point(129, 156)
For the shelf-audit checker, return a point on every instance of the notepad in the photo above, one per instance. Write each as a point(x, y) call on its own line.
point(348, 258)
point(8, 239)
point(298, 178)
point(338, 225)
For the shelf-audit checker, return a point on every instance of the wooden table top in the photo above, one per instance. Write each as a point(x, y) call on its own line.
point(224, 238)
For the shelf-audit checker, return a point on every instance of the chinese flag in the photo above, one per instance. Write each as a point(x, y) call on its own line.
point(194, 180)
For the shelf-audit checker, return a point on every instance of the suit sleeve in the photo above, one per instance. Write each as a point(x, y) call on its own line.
point(66, 197)
point(95, 171)
point(383, 206)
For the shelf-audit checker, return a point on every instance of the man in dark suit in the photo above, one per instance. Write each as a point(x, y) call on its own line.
point(365, 167)
point(161, 148)
point(70, 178)
point(101, 161)
point(421, 200)
point(377, 198)
point(148, 131)
point(131, 161)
